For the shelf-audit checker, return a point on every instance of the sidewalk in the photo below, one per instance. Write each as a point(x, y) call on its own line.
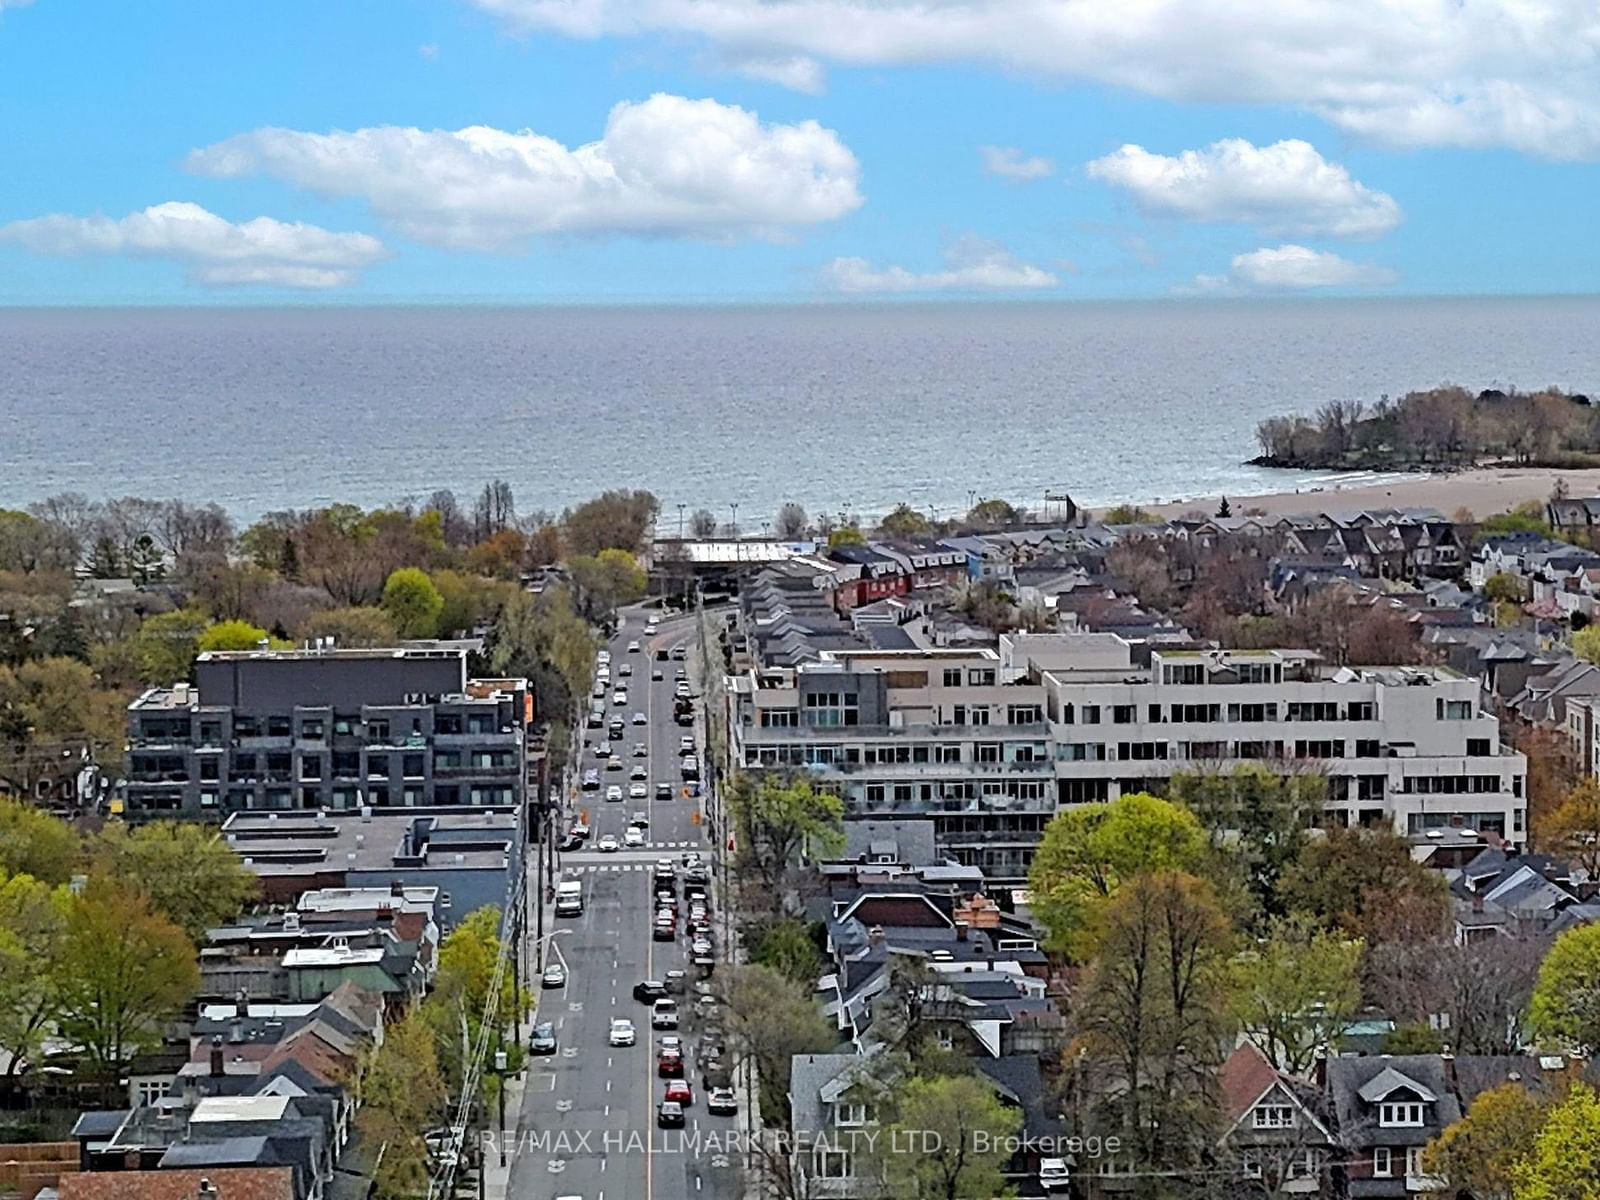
point(497, 1179)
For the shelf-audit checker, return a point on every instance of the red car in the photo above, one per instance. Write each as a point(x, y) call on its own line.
point(668, 1063)
point(679, 1092)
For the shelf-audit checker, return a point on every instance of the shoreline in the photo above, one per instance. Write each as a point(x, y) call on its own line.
point(1482, 491)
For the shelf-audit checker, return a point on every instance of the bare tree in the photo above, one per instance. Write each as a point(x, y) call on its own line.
point(1483, 996)
point(791, 522)
point(494, 511)
point(702, 523)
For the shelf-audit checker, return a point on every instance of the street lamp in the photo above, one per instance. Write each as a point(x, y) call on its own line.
point(735, 525)
point(501, 1061)
point(681, 507)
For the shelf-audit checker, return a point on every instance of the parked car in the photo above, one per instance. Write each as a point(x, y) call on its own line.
point(649, 991)
point(675, 982)
point(664, 1014)
point(622, 1033)
point(543, 1040)
point(1053, 1175)
point(625, 669)
point(665, 928)
point(722, 1102)
point(591, 779)
point(555, 975)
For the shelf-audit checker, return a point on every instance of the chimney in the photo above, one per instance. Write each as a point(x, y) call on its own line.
point(1319, 1070)
point(236, 1031)
point(216, 1055)
point(1477, 902)
point(397, 890)
point(875, 936)
point(961, 931)
point(208, 1190)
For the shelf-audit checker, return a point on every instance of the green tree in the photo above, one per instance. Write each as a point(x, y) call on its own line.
point(904, 521)
point(1503, 588)
point(469, 600)
point(1128, 514)
point(189, 873)
point(606, 582)
point(1525, 518)
point(543, 639)
point(402, 1092)
point(786, 946)
point(1155, 1001)
point(846, 535)
point(991, 514)
point(455, 1009)
point(1586, 643)
point(37, 844)
point(1296, 991)
point(234, 635)
point(48, 705)
point(125, 971)
point(1088, 851)
point(412, 602)
point(1482, 1152)
point(1365, 882)
point(1566, 998)
point(776, 818)
point(768, 1019)
point(33, 918)
point(1565, 1161)
point(612, 520)
point(356, 628)
point(1573, 829)
point(1258, 818)
point(167, 643)
point(947, 1140)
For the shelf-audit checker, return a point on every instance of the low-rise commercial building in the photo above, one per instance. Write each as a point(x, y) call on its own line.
point(322, 728)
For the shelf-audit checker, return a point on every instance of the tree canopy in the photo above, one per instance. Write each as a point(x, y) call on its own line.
point(947, 1139)
point(412, 602)
point(1566, 1001)
point(189, 873)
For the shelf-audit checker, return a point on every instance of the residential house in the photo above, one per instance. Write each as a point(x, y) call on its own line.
point(1275, 1138)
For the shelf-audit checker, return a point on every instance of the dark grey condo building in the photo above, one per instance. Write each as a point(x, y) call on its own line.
point(322, 728)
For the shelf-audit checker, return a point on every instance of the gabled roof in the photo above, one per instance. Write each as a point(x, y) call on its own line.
point(1388, 1081)
point(232, 1183)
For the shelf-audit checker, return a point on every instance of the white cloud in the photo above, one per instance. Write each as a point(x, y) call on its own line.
point(1518, 73)
point(971, 265)
point(1286, 187)
point(793, 71)
point(666, 166)
point(218, 253)
point(1010, 163)
point(1291, 268)
point(429, 51)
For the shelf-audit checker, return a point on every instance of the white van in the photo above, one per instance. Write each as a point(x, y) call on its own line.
point(569, 898)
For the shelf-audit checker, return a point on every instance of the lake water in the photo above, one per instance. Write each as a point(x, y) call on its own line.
point(866, 405)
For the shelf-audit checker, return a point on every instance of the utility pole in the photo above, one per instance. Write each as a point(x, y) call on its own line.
point(681, 507)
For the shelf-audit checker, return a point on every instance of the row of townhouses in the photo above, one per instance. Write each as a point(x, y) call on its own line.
point(986, 744)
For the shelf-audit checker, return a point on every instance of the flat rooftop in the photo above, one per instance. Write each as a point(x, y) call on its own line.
point(285, 845)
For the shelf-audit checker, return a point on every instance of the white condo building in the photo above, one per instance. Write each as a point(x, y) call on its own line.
point(988, 744)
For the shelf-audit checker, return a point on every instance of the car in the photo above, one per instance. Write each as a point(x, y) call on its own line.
point(698, 914)
point(615, 729)
point(697, 874)
point(714, 1071)
point(722, 1101)
point(676, 983)
point(701, 948)
point(614, 792)
point(666, 902)
point(607, 844)
point(619, 698)
point(669, 1063)
point(591, 780)
point(569, 843)
point(640, 750)
point(614, 763)
point(688, 766)
point(638, 791)
point(634, 647)
point(664, 870)
point(1053, 1175)
point(639, 771)
point(665, 928)
point(625, 670)
point(599, 691)
point(669, 1115)
point(686, 744)
point(641, 819)
point(679, 654)
point(679, 1092)
point(640, 719)
point(655, 675)
point(664, 1014)
point(705, 1004)
point(663, 791)
point(543, 1040)
point(555, 975)
point(603, 657)
point(580, 829)
point(681, 692)
point(622, 1033)
point(661, 655)
point(633, 837)
point(648, 991)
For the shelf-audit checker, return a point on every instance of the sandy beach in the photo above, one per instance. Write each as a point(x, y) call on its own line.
point(1482, 492)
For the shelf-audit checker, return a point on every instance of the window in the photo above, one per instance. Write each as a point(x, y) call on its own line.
point(343, 726)
point(1367, 748)
point(1023, 714)
point(1273, 1116)
point(1252, 713)
point(378, 729)
point(1141, 751)
point(311, 766)
point(847, 1114)
point(1091, 714)
point(952, 677)
point(1250, 1164)
point(1361, 710)
point(986, 752)
point(779, 718)
point(411, 766)
point(1308, 711)
point(1186, 674)
point(1406, 1114)
point(1257, 672)
point(278, 726)
point(1414, 1162)
point(311, 729)
point(830, 709)
point(980, 677)
point(1123, 714)
point(832, 1164)
point(210, 769)
point(1382, 1166)
point(1478, 748)
point(1302, 1166)
point(1453, 710)
point(447, 723)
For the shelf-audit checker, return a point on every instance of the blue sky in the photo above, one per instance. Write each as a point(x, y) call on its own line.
point(791, 149)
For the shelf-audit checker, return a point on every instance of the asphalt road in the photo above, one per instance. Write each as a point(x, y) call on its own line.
point(588, 1121)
